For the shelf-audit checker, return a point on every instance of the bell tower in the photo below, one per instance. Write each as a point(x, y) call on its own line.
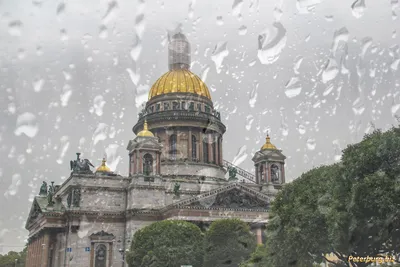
point(269, 163)
point(144, 154)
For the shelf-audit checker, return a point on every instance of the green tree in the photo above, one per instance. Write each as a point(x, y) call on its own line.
point(13, 259)
point(228, 242)
point(258, 258)
point(167, 244)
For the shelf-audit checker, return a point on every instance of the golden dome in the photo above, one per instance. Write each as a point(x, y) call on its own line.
point(179, 81)
point(103, 167)
point(268, 144)
point(145, 131)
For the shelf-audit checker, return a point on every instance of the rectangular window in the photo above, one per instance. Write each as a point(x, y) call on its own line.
point(207, 108)
point(166, 106)
point(175, 105)
point(191, 106)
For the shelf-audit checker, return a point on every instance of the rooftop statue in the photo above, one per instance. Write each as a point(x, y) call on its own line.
point(43, 189)
point(80, 166)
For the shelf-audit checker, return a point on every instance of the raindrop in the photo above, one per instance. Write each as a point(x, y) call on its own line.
point(100, 133)
point(395, 108)
point(253, 95)
point(249, 122)
point(38, 85)
point(306, 6)
point(140, 25)
point(270, 50)
point(191, 10)
point(64, 35)
point(26, 124)
point(293, 87)
point(301, 128)
point(103, 33)
point(394, 34)
point(60, 9)
point(341, 35)
point(307, 38)
point(21, 53)
point(110, 13)
point(13, 188)
point(395, 64)
point(136, 49)
point(135, 76)
point(204, 74)
point(39, 51)
point(15, 28)
point(328, 90)
point(329, 18)
point(278, 14)
point(64, 148)
point(358, 107)
point(242, 30)
point(220, 21)
point(12, 108)
point(67, 76)
point(65, 96)
point(297, 64)
point(218, 55)
point(311, 144)
point(237, 7)
point(241, 155)
point(330, 71)
point(112, 156)
point(98, 104)
point(357, 8)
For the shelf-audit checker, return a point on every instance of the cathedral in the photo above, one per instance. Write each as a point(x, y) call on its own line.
point(176, 172)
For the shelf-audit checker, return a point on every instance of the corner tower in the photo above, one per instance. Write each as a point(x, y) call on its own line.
point(181, 115)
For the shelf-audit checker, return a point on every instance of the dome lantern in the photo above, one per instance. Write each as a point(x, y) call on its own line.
point(145, 132)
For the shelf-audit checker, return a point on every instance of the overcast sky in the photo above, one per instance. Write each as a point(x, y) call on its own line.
point(73, 74)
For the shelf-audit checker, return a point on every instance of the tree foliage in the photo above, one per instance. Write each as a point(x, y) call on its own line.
point(167, 244)
point(13, 259)
point(349, 208)
point(228, 242)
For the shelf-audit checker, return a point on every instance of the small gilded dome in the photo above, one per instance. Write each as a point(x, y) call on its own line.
point(103, 167)
point(145, 131)
point(179, 81)
point(268, 144)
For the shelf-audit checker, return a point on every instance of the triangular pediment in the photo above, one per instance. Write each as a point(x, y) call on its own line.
point(233, 197)
point(144, 142)
point(34, 212)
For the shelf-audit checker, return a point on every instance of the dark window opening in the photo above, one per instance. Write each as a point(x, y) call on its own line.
point(205, 150)
point(172, 147)
point(166, 106)
point(194, 147)
point(147, 164)
point(191, 106)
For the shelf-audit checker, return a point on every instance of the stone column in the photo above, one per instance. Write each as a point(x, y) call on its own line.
point(221, 158)
point(46, 249)
point(157, 163)
point(267, 175)
point(110, 254)
point(257, 174)
point(140, 162)
point(190, 149)
point(259, 235)
point(91, 255)
point(201, 147)
point(283, 172)
point(210, 149)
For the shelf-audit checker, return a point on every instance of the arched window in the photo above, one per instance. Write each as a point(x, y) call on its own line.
point(261, 172)
point(172, 147)
point(205, 150)
point(147, 164)
point(194, 147)
point(275, 173)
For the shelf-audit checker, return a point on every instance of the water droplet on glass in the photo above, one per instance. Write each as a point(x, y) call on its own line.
point(242, 30)
point(26, 124)
point(103, 32)
point(64, 35)
point(64, 148)
point(112, 156)
point(253, 95)
point(38, 85)
point(329, 18)
point(301, 128)
point(60, 9)
point(135, 77)
point(65, 96)
point(39, 51)
point(307, 38)
point(395, 64)
point(100, 133)
point(237, 7)
point(218, 55)
point(13, 188)
point(270, 50)
point(358, 8)
point(249, 122)
point(15, 28)
point(328, 90)
point(12, 108)
point(140, 25)
point(110, 13)
point(306, 6)
point(311, 144)
point(241, 156)
point(220, 21)
point(277, 14)
point(141, 95)
point(330, 71)
point(293, 87)
point(395, 108)
point(98, 104)
point(204, 74)
point(358, 107)
point(297, 64)
point(341, 35)
point(136, 48)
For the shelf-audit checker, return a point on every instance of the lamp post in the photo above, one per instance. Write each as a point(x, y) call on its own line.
point(123, 255)
point(41, 255)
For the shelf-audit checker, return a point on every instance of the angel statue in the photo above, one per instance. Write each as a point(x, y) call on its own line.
point(43, 189)
point(80, 166)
